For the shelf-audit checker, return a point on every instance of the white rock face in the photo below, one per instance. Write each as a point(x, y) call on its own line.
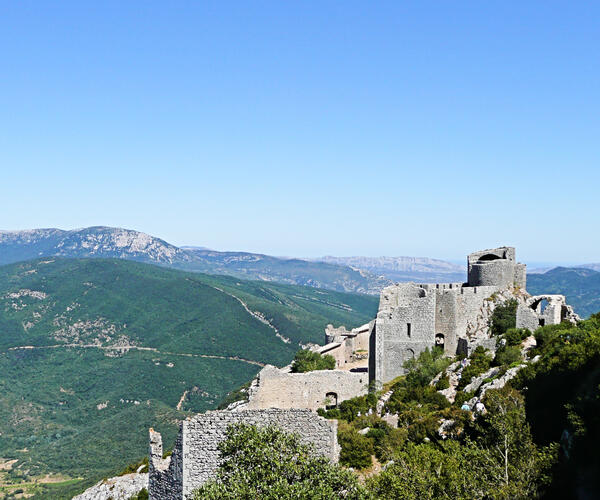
point(116, 488)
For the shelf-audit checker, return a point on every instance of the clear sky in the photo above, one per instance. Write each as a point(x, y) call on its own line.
point(307, 128)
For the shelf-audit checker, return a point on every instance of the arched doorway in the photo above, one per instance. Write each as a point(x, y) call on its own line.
point(439, 339)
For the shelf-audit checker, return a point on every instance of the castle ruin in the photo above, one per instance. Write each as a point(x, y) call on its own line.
point(411, 318)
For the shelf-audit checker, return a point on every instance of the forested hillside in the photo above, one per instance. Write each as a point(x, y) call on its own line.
point(95, 351)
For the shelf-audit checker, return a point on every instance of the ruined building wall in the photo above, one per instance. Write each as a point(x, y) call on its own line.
point(199, 436)
point(278, 389)
point(531, 316)
point(439, 314)
point(165, 479)
point(343, 345)
point(404, 327)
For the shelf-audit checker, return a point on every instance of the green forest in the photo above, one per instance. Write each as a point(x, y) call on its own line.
point(93, 352)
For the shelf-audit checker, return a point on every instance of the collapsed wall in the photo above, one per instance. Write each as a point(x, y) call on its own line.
point(541, 310)
point(195, 458)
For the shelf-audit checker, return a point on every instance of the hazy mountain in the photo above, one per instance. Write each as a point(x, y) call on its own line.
point(120, 243)
point(593, 266)
point(95, 351)
point(282, 270)
point(581, 287)
point(422, 269)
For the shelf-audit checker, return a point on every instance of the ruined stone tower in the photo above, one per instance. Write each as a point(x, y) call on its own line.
point(413, 317)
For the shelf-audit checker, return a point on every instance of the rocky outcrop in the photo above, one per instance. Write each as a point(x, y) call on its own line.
point(116, 488)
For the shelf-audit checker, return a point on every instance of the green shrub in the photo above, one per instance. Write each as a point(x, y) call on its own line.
point(131, 468)
point(307, 361)
point(269, 464)
point(142, 495)
point(514, 336)
point(508, 355)
point(443, 383)
point(480, 362)
point(356, 449)
point(504, 317)
point(350, 408)
point(426, 366)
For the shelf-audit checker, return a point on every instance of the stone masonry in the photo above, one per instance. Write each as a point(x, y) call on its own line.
point(195, 457)
point(277, 388)
point(413, 317)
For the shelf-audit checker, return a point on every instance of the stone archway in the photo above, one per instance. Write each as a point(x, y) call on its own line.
point(331, 400)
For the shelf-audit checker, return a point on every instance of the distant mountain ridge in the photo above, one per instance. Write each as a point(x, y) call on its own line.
point(403, 268)
point(97, 241)
point(345, 274)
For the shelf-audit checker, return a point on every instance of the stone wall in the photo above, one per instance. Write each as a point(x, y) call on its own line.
point(165, 474)
point(414, 317)
point(278, 389)
point(199, 436)
point(404, 327)
point(531, 315)
point(348, 348)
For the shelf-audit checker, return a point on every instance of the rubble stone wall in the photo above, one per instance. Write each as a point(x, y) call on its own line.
point(277, 389)
point(196, 457)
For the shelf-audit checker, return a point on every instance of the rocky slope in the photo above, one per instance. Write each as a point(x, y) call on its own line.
point(96, 241)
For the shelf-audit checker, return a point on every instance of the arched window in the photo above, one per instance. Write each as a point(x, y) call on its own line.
point(439, 339)
point(331, 399)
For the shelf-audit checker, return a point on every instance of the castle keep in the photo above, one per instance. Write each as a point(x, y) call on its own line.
point(413, 317)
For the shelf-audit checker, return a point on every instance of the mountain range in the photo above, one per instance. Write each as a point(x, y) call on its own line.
point(347, 274)
point(357, 274)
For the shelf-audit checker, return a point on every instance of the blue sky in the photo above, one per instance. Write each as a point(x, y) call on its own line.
point(307, 128)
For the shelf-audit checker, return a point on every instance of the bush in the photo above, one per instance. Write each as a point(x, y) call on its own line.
point(426, 366)
point(443, 383)
point(480, 362)
point(142, 495)
point(307, 361)
point(131, 468)
point(350, 408)
point(504, 317)
point(356, 449)
point(269, 464)
point(508, 355)
point(514, 336)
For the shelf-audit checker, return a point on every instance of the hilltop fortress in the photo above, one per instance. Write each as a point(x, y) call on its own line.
point(411, 318)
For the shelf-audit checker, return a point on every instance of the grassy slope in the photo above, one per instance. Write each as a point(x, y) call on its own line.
point(50, 394)
point(580, 286)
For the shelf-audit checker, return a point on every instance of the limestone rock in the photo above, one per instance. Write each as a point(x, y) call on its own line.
point(116, 488)
point(476, 382)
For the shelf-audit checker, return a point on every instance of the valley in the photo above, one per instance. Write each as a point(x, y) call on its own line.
point(95, 351)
